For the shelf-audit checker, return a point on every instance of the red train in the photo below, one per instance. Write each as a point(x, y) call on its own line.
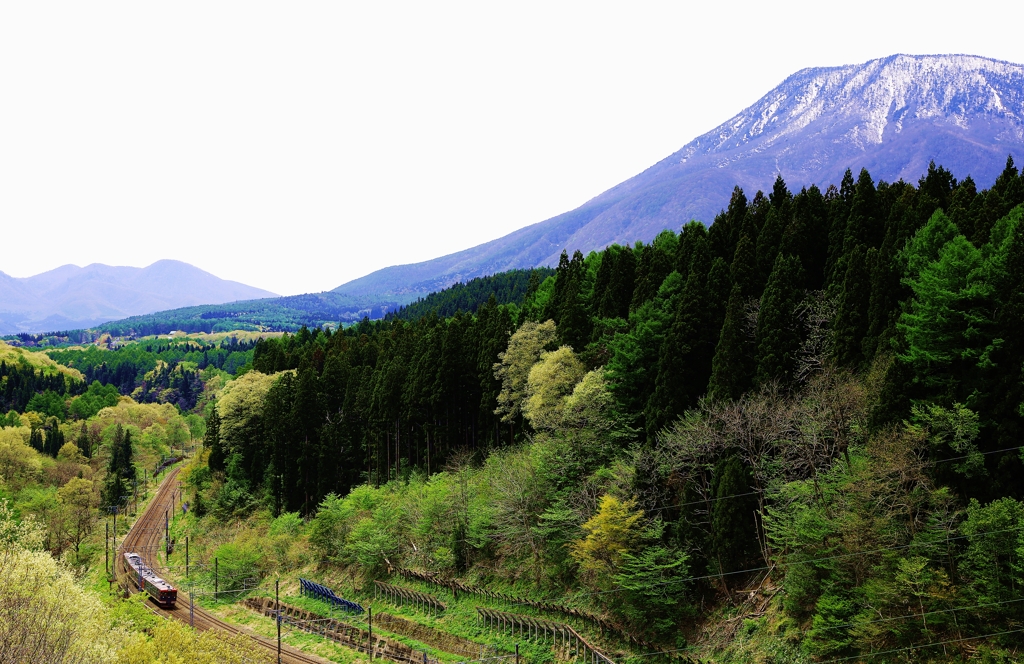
point(147, 581)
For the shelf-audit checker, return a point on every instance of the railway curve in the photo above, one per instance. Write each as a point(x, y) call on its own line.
point(145, 537)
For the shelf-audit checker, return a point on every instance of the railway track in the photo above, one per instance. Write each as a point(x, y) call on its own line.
point(145, 537)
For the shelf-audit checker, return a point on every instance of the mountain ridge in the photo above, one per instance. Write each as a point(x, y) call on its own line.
point(70, 296)
point(891, 115)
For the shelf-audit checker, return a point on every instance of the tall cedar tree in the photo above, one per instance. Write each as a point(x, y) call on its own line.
point(777, 337)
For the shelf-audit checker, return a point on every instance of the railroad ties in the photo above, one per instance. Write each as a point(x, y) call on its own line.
point(325, 594)
point(341, 632)
point(399, 596)
point(563, 636)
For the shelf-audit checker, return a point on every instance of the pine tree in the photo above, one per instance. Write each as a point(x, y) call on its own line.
point(121, 468)
point(603, 278)
point(780, 197)
point(1005, 272)
point(777, 338)
point(963, 206)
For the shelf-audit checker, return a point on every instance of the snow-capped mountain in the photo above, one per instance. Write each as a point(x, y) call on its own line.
point(892, 116)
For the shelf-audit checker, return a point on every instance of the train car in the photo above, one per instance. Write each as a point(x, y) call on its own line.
point(163, 593)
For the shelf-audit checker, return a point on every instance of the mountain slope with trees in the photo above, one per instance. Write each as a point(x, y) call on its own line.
point(813, 407)
point(892, 115)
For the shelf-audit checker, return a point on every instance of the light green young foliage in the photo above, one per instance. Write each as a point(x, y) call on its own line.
point(956, 427)
point(514, 365)
point(611, 533)
point(240, 408)
point(550, 381)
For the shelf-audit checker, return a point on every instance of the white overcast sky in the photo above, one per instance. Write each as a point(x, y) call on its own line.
point(297, 145)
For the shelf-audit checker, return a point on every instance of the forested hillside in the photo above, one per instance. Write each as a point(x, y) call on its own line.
point(820, 395)
point(505, 287)
point(792, 436)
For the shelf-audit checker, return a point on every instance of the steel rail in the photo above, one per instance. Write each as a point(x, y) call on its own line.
point(145, 536)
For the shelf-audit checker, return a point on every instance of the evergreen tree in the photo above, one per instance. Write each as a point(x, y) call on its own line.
point(684, 362)
point(84, 446)
point(865, 226)
point(734, 539)
point(693, 234)
point(619, 292)
point(1005, 355)
point(656, 262)
point(54, 440)
point(725, 231)
point(777, 338)
point(573, 319)
point(553, 309)
point(806, 236)
point(211, 440)
point(732, 368)
point(851, 325)
point(769, 241)
point(120, 468)
point(744, 270)
point(35, 440)
point(944, 326)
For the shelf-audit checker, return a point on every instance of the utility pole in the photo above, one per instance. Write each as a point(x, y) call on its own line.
point(106, 547)
point(167, 536)
point(517, 653)
point(215, 578)
point(277, 600)
point(186, 556)
point(369, 612)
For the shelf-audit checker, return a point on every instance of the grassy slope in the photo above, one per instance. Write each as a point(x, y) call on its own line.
point(26, 358)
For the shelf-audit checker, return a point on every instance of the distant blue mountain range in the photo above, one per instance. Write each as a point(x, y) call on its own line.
point(71, 297)
point(892, 116)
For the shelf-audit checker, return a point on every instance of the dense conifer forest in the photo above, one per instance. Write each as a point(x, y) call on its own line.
point(793, 435)
point(822, 391)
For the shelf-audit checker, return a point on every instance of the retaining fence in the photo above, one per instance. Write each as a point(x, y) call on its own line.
point(563, 636)
point(458, 587)
point(339, 631)
point(400, 596)
point(325, 594)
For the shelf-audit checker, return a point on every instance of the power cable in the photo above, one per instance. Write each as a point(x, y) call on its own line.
point(926, 613)
point(771, 492)
point(926, 645)
point(791, 563)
